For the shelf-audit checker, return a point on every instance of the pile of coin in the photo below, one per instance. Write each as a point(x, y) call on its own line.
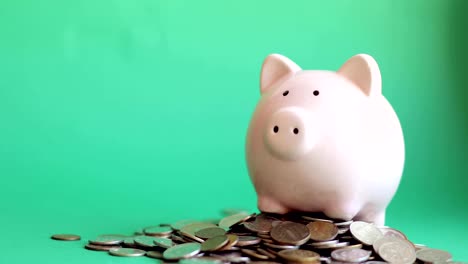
point(242, 237)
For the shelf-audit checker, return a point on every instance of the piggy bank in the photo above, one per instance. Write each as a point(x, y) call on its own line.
point(324, 141)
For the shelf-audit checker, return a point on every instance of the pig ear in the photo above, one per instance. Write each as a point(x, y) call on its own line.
point(363, 71)
point(276, 67)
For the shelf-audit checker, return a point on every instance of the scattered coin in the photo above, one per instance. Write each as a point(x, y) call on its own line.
point(100, 247)
point(144, 241)
point(290, 233)
point(66, 237)
point(182, 251)
point(154, 254)
point(178, 225)
point(127, 252)
point(163, 242)
point(259, 239)
point(322, 231)
point(299, 255)
point(247, 241)
point(397, 252)
point(232, 241)
point(365, 232)
point(351, 255)
point(430, 255)
point(107, 240)
point(158, 231)
point(253, 253)
point(201, 260)
point(210, 232)
point(231, 220)
point(214, 243)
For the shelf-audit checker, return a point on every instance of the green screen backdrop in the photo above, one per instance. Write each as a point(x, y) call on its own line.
point(116, 114)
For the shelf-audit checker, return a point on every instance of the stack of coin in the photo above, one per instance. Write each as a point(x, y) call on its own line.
point(269, 238)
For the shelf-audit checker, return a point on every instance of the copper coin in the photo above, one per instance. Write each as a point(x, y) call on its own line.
point(214, 243)
point(100, 247)
point(290, 233)
point(66, 237)
point(247, 241)
point(253, 253)
point(266, 253)
point(262, 224)
point(210, 232)
point(351, 255)
point(299, 255)
point(322, 231)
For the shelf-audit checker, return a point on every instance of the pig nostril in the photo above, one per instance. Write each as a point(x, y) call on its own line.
point(296, 131)
point(286, 93)
point(275, 129)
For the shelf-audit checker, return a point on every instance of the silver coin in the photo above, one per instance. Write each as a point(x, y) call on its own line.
point(144, 241)
point(398, 252)
point(336, 245)
point(231, 220)
point(280, 246)
point(203, 260)
point(127, 252)
point(342, 230)
point(163, 242)
point(179, 224)
point(433, 255)
point(157, 230)
point(343, 224)
point(107, 240)
point(182, 251)
point(365, 232)
point(391, 232)
point(309, 218)
point(154, 254)
point(385, 239)
point(351, 255)
point(324, 243)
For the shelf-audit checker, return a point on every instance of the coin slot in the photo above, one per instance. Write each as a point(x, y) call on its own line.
point(276, 129)
point(285, 93)
point(316, 92)
point(296, 131)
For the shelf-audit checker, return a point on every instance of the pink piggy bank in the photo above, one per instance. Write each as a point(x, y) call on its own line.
point(324, 141)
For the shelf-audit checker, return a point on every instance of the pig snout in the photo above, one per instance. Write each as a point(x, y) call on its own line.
point(288, 135)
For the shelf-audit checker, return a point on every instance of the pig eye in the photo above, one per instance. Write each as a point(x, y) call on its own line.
point(285, 93)
point(275, 129)
point(296, 131)
point(316, 92)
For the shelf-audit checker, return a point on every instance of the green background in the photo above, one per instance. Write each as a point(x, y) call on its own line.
point(118, 114)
